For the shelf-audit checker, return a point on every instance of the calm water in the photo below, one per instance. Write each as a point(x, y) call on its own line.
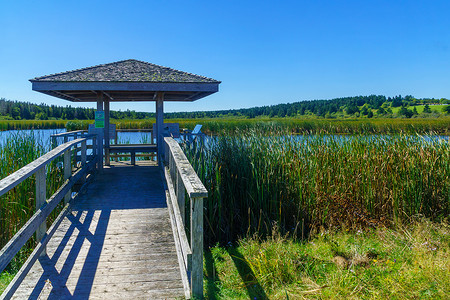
point(44, 136)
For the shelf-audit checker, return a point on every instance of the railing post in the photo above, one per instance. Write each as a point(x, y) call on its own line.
point(172, 165)
point(54, 142)
point(83, 157)
point(94, 146)
point(75, 152)
point(67, 173)
point(41, 184)
point(197, 247)
point(180, 191)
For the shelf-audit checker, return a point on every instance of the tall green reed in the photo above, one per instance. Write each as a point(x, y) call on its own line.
point(258, 178)
point(18, 205)
point(31, 124)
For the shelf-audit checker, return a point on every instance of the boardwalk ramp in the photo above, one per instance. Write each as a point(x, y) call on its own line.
point(116, 243)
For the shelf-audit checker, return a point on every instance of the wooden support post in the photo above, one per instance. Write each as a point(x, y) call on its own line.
point(67, 173)
point(94, 146)
point(115, 142)
point(100, 136)
point(159, 125)
point(75, 152)
point(107, 137)
point(197, 247)
point(172, 166)
point(54, 145)
point(83, 158)
point(181, 191)
point(41, 197)
point(83, 153)
point(133, 157)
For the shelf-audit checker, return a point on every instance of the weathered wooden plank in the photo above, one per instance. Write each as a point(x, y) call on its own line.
point(133, 147)
point(41, 197)
point(159, 124)
point(17, 177)
point(135, 270)
point(192, 183)
point(197, 247)
point(105, 276)
point(115, 249)
point(69, 133)
point(135, 226)
point(181, 191)
point(160, 245)
point(126, 86)
point(106, 132)
point(67, 173)
point(182, 260)
point(141, 291)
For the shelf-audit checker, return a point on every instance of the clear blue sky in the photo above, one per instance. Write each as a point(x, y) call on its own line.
point(264, 52)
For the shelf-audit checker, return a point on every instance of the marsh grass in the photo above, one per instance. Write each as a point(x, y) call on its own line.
point(18, 205)
point(258, 178)
point(31, 124)
point(411, 262)
point(298, 125)
point(306, 125)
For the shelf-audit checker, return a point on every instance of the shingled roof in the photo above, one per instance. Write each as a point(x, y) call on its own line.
point(130, 70)
point(127, 80)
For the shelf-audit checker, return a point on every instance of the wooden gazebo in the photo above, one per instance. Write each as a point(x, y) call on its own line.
point(127, 80)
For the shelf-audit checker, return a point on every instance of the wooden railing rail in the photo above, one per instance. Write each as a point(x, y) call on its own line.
point(181, 181)
point(60, 138)
point(37, 223)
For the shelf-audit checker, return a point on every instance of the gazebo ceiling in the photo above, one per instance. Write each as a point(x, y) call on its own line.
point(127, 80)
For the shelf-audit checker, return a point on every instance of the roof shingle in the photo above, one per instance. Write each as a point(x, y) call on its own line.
point(130, 70)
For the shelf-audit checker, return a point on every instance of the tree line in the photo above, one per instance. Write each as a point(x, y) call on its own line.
point(339, 107)
point(17, 110)
point(369, 106)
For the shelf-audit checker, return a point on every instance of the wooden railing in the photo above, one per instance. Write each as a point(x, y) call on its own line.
point(181, 181)
point(37, 223)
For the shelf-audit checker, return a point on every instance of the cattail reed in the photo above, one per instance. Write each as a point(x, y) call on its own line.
point(259, 178)
point(18, 205)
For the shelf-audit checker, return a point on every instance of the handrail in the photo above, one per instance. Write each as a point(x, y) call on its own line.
point(17, 177)
point(69, 133)
point(193, 184)
point(43, 206)
point(182, 180)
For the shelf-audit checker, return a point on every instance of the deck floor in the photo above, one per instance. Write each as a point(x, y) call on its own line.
point(117, 243)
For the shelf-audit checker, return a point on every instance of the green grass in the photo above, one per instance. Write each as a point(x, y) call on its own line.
point(5, 279)
point(411, 262)
point(257, 178)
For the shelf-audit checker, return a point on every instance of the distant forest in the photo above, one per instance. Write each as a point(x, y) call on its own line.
point(359, 106)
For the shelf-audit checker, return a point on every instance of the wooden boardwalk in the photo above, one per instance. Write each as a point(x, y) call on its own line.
point(117, 243)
